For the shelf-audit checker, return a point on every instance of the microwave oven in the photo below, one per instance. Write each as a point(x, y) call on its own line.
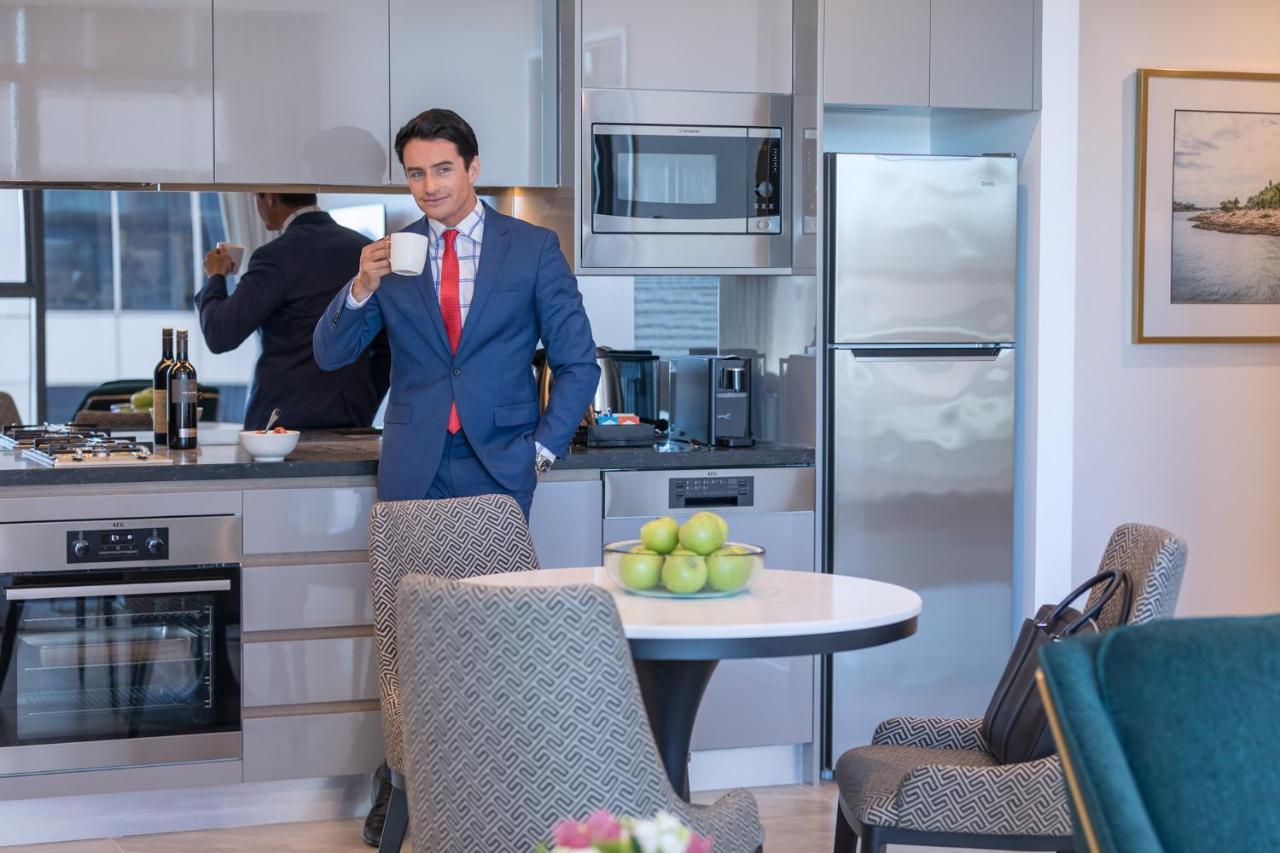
point(685, 181)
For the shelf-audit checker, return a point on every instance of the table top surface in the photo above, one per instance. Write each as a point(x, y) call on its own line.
point(778, 604)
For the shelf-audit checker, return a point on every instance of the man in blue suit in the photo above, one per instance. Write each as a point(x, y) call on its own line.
point(463, 418)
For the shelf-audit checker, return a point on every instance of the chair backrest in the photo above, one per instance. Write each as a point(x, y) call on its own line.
point(1155, 560)
point(452, 538)
point(1165, 732)
point(117, 421)
point(8, 410)
point(520, 707)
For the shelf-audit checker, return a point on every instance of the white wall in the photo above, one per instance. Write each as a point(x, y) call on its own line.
point(1184, 436)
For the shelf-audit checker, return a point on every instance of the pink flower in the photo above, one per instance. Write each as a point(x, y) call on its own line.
point(603, 826)
point(570, 833)
point(699, 844)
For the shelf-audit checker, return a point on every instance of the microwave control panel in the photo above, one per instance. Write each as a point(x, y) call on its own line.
point(103, 546)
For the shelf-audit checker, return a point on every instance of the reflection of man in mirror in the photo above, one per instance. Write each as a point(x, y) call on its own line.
point(288, 283)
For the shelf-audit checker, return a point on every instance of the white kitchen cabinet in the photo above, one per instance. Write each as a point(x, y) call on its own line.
point(710, 45)
point(982, 54)
point(106, 90)
point(494, 62)
point(300, 91)
point(876, 52)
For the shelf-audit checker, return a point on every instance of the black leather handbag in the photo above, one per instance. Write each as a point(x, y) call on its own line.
point(1015, 727)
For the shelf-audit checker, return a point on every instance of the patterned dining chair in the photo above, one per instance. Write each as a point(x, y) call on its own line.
point(452, 538)
point(139, 422)
point(932, 781)
point(520, 707)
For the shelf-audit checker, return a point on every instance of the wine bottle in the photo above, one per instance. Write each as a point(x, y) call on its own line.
point(160, 391)
point(183, 397)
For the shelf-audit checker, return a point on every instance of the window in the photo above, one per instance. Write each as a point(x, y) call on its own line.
point(13, 239)
point(77, 250)
point(156, 251)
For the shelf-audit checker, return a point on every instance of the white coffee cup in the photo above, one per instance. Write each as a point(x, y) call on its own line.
point(235, 252)
point(408, 253)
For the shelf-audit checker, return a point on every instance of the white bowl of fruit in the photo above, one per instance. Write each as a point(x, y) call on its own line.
point(690, 560)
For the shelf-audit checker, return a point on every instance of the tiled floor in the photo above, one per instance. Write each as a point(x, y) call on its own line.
point(797, 819)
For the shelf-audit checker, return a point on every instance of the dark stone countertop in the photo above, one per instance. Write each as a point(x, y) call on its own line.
point(329, 454)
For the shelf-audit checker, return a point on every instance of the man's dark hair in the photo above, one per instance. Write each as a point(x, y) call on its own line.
point(298, 199)
point(439, 124)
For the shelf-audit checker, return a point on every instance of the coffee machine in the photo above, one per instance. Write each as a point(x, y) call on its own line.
point(712, 400)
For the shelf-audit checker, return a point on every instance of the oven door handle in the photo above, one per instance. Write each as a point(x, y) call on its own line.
point(28, 593)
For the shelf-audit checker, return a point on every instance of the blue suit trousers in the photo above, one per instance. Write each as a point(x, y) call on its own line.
point(462, 475)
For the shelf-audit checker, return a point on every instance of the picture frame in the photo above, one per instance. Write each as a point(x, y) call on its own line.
point(1206, 234)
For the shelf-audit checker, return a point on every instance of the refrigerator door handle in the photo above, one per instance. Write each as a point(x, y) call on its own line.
point(985, 353)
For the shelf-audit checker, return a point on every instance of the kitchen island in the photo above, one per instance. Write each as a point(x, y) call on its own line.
point(305, 678)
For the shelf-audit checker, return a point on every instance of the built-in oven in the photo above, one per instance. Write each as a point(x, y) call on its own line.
point(684, 180)
point(119, 643)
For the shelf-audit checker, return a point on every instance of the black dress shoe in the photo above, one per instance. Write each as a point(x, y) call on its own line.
point(377, 816)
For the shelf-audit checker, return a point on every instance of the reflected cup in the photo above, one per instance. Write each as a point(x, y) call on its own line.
point(408, 253)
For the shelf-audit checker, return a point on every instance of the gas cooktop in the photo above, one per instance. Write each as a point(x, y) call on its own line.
point(92, 451)
point(22, 435)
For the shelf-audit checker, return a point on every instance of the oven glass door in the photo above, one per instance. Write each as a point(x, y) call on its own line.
point(119, 654)
point(660, 179)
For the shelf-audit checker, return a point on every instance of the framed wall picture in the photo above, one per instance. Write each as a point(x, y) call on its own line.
point(1207, 232)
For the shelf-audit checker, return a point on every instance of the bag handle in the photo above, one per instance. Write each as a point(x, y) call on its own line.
point(1115, 580)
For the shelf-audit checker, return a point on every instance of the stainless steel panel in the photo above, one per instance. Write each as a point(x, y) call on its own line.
point(496, 67)
point(42, 547)
point(125, 752)
point(138, 72)
point(645, 493)
point(158, 777)
point(309, 671)
point(669, 253)
point(294, 521)
point(922, 248)
point(121, 504)
point(565, 523)
point(922, 496)
point(324, 595)
point(764, 701)
point(718, 45)
point(318, 120)
point(311, 746)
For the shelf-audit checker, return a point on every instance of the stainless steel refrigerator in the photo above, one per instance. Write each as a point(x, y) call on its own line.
point(920, 432)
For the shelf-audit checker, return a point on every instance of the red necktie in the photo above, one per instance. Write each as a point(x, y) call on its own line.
point(451, 307)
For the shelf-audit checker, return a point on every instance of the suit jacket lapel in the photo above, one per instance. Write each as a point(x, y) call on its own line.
point(493, 249)
point(425, 285)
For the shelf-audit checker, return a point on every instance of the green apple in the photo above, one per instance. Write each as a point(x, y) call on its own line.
point(142, 399)
point(660, 534)
point(728, 569)
point(724, 525)
point(684, 573)
point(640, 569)
point(701, 534)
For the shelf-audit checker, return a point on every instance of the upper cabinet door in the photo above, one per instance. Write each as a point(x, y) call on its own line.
point(876, 52)
point(708, 45)
point(982, 54)
point(80, 81)
point(300, 91)
point(494, 62)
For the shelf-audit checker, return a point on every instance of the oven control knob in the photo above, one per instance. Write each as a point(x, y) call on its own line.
point(764, 189)
point(155, 544)
point(80, 547)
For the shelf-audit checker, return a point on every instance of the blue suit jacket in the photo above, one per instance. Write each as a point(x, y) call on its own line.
point(524, 292)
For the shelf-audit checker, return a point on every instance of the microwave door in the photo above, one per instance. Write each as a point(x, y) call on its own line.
point(659, 179)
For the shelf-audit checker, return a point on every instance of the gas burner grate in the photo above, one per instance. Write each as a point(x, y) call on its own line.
point(27, 435)
point(91, 451)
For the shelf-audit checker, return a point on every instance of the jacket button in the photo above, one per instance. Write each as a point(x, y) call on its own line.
point(457, 371)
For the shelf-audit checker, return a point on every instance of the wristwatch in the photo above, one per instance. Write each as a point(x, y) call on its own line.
point(543, 463)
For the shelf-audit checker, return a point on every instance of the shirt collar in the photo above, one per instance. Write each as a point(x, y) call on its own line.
point(469, 227)
point(311, 208)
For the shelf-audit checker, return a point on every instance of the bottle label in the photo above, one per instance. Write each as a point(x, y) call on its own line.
point(160, 410)
point(184, 391)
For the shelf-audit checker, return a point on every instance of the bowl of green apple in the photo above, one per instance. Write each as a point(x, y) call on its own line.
point(690, 560)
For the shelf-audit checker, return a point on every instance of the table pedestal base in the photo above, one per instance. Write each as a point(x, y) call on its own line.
point(672, 691)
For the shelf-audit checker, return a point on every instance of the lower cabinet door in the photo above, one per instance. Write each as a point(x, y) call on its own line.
point(312, 745)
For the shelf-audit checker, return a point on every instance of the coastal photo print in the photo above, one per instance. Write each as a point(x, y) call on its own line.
point(1207, 264)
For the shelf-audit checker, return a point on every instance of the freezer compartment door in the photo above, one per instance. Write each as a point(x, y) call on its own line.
point(922, 496)
point(922, 249)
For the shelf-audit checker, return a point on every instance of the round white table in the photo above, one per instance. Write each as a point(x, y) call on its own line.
point(677, 643)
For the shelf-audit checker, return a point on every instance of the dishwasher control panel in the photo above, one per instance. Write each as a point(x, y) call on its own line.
point(709, 492)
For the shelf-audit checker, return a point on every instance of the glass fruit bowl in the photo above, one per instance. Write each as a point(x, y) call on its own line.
point(680, 574)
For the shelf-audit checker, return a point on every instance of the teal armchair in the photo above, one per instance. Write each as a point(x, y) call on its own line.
point(1168, 735)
